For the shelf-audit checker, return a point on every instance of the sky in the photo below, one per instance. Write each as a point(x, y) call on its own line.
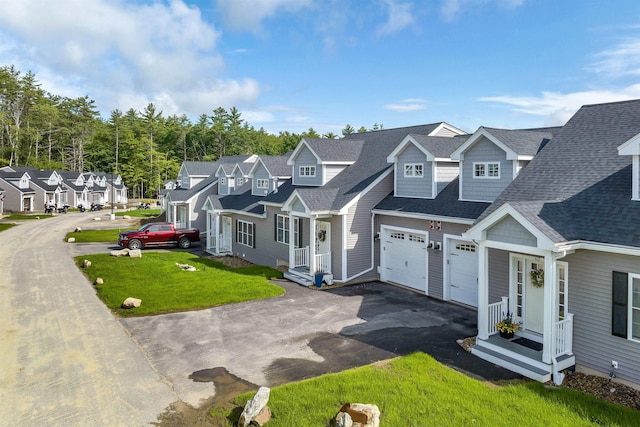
point(291, 65)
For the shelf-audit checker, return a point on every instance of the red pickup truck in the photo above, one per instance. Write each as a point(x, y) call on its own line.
point(157, 234)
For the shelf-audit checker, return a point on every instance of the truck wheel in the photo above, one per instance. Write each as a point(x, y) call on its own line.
point(135, 244)
point(184, 243)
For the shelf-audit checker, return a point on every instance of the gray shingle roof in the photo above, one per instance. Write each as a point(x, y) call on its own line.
point(335, 150)
point(200, 168)
point(445, 204)
point(277, 165)
point(229, 162)
point(440, 146)
point(578, 187)
point(524, 142)
point(241, 200)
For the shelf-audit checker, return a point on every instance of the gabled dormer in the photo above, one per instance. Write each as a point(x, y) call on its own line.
point(226, 182)
point(632, 148)
point(423, 166)
point(191, 173)
point(240, 174)
point(490, 159)
point(267, 173)
point(315, 162)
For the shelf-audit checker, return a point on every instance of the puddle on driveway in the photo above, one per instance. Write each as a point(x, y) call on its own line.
point(227, 385)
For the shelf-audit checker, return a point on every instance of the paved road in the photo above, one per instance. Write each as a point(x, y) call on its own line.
point(64, 359)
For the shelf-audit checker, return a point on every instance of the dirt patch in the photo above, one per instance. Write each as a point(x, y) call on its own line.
point(231, 261)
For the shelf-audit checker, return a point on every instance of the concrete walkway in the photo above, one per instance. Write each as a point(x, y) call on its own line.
point(64, 359)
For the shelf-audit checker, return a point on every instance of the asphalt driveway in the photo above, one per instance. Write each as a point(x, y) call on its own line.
point(303, 334)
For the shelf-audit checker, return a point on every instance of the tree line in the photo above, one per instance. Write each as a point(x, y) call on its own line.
point(48, 131)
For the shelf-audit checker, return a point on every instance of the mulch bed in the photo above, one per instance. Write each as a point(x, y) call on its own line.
point(596, 386)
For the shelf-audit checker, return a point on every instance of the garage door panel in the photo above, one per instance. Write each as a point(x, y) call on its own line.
point(463, 273)
point(405, 259)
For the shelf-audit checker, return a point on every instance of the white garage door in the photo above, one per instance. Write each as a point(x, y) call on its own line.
point(405, 259)
point(463, 272)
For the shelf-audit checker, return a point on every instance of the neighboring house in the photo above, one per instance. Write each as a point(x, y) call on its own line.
point(192, 173)
point(47, 185)
point(116, 190)
point(78, 192)
point(559, 249)
point(19, 195)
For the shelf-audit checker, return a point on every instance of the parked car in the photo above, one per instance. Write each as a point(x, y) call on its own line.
point(158, 234)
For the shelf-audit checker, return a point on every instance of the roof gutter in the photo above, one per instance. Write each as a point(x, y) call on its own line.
point(593, 246)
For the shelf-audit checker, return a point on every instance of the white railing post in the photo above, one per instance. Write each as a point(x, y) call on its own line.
point(323, 262)
point(564, 336)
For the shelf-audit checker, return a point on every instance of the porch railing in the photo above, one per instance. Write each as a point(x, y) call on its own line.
point(564, 336)
point(497, 311)
point(301, 257)
point(323, 262)
point(225, 244)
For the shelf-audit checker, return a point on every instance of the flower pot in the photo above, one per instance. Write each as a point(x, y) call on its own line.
point(317, 279)
point(506, 335)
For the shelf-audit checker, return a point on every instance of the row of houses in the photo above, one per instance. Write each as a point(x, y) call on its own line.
point(536, 223)
point(28, 189)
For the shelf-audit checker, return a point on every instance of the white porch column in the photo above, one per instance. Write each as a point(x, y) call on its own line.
point(208, 230)
point(292, 246)
point(312, 244)
point(483, 292)
point(217, 232)
point(550, 307)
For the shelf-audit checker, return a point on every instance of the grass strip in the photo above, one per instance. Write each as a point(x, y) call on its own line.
point(89, 236)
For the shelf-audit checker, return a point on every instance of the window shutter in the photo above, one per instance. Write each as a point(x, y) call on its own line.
point(237, 231)
point(619, 309)
point(299, 232)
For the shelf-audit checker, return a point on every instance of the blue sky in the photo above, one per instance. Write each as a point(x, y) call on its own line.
point(289, 65)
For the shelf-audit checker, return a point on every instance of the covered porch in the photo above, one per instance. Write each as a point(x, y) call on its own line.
point(219, 233)
point(310, 255)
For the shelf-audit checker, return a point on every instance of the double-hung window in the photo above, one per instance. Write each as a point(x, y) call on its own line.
point(413, 170)
point(262, 183)
point(239, 182)
point(282, 229)
point(625, 308)
point(245, 233)
point(487, 170)
point(309, 171)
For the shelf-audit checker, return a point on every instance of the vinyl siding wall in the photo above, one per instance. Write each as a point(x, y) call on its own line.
point(331, 171)
point(435, 261)
point(484, 189)
point(498, 274)
point(267, 250)
point(413, 186)
point(358, 230)
point(590, 293)
point(12, 199)
point(260, 173)
point(445, 173)
point(510, 231)
point(306, 158)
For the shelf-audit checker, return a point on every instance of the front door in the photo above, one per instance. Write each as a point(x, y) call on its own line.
point(323, 237)
point(225, 234)
point(528, 290)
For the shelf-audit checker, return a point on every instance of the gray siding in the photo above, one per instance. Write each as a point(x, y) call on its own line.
point(413, 187)
point(223, 188)
point(13, 198)
point(510, 231)
point(236, 175)
point(306, 158)
point(435, 261)
point(358, 230)
point(336, 247)
point(331, 171)
point(260, 173)
point(445, 173)
point(590, 277)
point(267, 250)
point(297, 206)
point(498, 275)
point(485, 189)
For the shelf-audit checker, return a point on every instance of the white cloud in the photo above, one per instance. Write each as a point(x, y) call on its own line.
point(119, 52)
point(407, 105)
point(247, 15)
point(451, 8)
point(400, 16)
point(556, 108)
point(257, 117)
point(622, 60)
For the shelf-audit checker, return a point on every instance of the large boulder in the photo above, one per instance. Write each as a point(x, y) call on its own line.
point(358, 415)
point(71, 239)
point(135, 253)
point(121, 252)
point(254, 406)
point(131, 303)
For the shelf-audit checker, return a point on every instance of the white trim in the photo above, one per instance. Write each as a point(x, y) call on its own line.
point(409, 139)
point(236, 212)
point(292, 158)
point(460, 180)
point(635, 176)
point(444, 125)
point(485, 174)
point(395, 179)
point(599, 247)
point(287, 205)
point(434, 180)
point(477, 135)
point(248, 235)
point(311, 168)
point(344, 247)
point(259, 187)
point(630, 306)
point(630, 147)
point(427, 217)
point(413, 173)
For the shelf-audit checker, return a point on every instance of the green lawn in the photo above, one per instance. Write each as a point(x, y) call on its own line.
point(86, 236)
point(140, 213)
point(6, 225)
point(164, 288)
point(20, 217)
point(418, 391)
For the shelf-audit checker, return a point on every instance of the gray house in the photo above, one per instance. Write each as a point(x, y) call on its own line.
point(558, 249)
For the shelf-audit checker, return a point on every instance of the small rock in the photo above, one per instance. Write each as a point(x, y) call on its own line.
point(71, 239)
point(37, 217)
point(131, 303)
point(77, 230)
point(121, 252)
point(98, 281)
point(126, 216)
point(86, 263)
point(254, 406)
point(135, 253)
point(186, 267)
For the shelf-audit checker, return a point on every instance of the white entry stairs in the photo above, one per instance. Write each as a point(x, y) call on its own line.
point(300, 279)
point(517, 358)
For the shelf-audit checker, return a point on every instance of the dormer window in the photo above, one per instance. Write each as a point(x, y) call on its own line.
point(262, 184)
point(307, 171)
point(223, 180)
point(486, 170)
point(413, 170)
point(239, 182)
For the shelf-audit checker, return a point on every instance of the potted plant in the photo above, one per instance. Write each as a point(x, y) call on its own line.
point(507, 327)
point(318, 278)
